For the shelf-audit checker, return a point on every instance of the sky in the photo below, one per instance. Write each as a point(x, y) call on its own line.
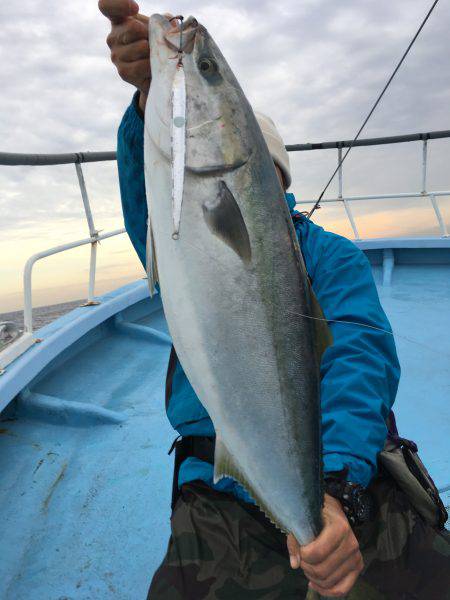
point(315, 66)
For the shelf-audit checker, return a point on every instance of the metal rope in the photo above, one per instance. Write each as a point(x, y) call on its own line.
point(316, 205)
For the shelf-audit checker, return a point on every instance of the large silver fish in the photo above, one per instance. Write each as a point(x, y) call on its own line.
point(232, 277)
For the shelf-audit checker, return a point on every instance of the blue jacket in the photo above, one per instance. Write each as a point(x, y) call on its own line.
point(359, 372)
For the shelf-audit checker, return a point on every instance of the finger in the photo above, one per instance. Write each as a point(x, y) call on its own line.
point(294, 551)
point(131, 52)
point(136, 73)
point(292, 544)
point(352, 564)
point(347, 551)
point(340, 589)
point(127, 33)
point(118, 10)
point(326, 543)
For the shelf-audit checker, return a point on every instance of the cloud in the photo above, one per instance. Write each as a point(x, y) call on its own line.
point(316, 66)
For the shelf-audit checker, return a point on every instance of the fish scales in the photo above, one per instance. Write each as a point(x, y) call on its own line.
point(233, 281)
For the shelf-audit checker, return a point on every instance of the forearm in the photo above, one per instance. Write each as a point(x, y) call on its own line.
point(358, 389)
point(130, 163)
point(360, 370)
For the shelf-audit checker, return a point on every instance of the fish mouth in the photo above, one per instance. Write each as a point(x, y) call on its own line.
point(218, 169)
point(181, 36)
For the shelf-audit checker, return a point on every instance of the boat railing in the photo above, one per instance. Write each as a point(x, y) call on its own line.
point(17, 347)
point(397, 139)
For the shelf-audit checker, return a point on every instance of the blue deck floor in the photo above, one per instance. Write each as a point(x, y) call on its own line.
point(418, 305)
point(84, 494)
point(85, 506)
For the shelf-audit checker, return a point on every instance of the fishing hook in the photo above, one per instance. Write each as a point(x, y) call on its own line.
point(180, 49)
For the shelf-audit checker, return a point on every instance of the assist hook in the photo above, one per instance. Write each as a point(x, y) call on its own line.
point(180, 49)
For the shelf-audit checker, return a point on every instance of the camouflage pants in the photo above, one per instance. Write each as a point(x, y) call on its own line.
point(224, 549)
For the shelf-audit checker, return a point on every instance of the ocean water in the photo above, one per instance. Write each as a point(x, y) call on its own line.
point(42, 315)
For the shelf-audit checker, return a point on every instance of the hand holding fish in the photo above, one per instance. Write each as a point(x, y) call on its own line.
point(128, 42)
point(333, 561)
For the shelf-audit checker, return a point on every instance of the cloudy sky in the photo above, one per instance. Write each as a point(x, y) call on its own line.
point(315, 66)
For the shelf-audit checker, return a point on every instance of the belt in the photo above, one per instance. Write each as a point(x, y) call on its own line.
point(198, 446)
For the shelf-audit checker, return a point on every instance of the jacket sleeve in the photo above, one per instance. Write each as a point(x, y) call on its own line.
point(360, 370)
point(130, 162)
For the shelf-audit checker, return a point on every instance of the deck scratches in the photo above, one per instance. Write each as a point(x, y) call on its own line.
point(7, 432)
point(38, 466)
point(54, 485)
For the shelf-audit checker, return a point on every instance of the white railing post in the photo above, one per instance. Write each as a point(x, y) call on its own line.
point(388, 266)
point(347, 207)
point(437, 211)
point(340, 171)
point(27, 298)
point(84, 196)
point(92, 268)
point(424, 166)
point(442, 225)
point(351, 219)
point(92, 232)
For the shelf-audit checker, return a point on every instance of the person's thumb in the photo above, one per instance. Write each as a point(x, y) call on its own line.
point(142, 18)
point(118, 10)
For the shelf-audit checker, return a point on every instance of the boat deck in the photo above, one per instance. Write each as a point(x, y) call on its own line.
point(85, 493)
point(85, 485)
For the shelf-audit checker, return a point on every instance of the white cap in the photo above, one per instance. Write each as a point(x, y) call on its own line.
point(275, 144)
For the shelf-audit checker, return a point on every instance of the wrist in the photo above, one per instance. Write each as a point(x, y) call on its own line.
point(354, 499)
point(142, 101)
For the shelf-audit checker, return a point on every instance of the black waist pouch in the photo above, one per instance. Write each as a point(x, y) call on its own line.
point(401, 461)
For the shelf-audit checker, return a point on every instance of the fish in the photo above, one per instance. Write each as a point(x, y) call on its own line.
point(232, 277)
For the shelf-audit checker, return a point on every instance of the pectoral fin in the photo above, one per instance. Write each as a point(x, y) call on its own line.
point(224, 219)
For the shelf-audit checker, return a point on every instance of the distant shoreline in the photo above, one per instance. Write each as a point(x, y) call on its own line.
point(42, 315)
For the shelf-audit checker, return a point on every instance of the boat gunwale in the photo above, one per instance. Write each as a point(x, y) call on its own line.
point(57, 336)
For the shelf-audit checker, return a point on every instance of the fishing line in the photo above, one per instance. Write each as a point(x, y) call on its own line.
point(317, 204)
point(394, 335)
point(386, 331)
point(179, 54)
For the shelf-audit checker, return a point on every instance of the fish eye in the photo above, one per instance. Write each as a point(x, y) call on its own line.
point(207, 66)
